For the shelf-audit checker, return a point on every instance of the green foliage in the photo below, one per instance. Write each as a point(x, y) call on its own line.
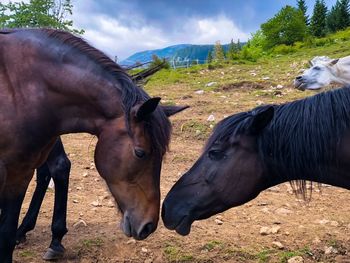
point(233, 50)
point(303, 8)
point(210, 57)
point(283, 49)
point(38, 13)
point(286, 27)
point(254, 49)
point(318, 19)
point(158, 61)
point(219, 54)
point(339, 16)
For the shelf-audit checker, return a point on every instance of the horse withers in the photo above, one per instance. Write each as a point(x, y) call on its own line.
point(324, 71)
point(248, 152)
point(54, 83)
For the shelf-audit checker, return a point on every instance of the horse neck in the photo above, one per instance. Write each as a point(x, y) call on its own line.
point(84, 99)
point(341, 71)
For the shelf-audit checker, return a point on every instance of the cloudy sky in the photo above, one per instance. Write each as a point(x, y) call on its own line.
point(123, 27)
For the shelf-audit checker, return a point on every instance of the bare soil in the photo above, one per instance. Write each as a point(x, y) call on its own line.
point(318, 231)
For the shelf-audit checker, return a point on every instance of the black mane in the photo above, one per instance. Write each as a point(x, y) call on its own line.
point(301, 140)
point(158, 126)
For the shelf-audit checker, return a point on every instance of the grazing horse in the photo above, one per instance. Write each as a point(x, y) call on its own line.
point(54, 83)
point(57, 167)
point(324, 71)
point(248, 152)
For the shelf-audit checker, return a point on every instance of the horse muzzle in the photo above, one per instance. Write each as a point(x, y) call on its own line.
point(138, 231)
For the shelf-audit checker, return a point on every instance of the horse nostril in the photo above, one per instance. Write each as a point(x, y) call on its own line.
point(299, 77)
point(146, 230)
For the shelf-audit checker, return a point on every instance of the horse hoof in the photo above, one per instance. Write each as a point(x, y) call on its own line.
point(53, 255)
point(21, 240)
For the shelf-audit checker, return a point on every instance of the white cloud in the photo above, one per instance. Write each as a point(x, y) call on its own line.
point(114, 38)
point(131, 33)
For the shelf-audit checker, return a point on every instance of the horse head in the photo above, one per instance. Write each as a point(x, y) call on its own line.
point(228, 173)
point(321, 73)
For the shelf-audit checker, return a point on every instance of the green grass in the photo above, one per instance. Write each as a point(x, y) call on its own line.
point(27, 254)
point(173, 253)
point(89, 243)
point(212, 245)
point(285, 255)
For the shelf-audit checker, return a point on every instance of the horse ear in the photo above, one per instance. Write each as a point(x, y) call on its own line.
point(310, 63)
point(333, 62)
point(147, 108)
point(172, 110)
point(261, 119)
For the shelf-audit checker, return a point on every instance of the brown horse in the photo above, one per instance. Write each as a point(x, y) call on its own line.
point(54, 83)
point(248, 152)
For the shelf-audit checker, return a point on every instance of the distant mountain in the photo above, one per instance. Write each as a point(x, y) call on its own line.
point(145, 56)
point(177, 52)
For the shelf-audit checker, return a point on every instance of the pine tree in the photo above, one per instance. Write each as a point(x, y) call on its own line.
point(318, 19)
point(219, 54)
point(334, 18)
point(339, 16)
point(344, 14)
point(302, 7)
point(232, 50)
point(210, 57)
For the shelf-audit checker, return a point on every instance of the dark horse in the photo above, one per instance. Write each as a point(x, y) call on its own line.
point(248, 152)
point(57, 167)
point(54, 83)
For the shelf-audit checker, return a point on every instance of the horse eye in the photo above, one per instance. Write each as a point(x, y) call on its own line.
point(317, 68)
point(216, 155)
point(139, 153)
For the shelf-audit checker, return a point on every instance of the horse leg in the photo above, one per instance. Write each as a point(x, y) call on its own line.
point(43, 178)
point(11, 200)
point(59, 166)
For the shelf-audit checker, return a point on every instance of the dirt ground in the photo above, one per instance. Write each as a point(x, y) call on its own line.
point(318, 231)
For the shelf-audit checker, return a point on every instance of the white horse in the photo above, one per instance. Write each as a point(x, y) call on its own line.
point(324, 71)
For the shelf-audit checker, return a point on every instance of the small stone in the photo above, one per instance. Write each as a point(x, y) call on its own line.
point(316, 241)
point(264, 231)
point(279, 86)
point(211, 117)
point(199, 92)
point(259, 102)
point(81, 222)
point(79, 188)
point(144, 250)
point(266, 78)
point(75, 201)
point(85, 174)
point(219, 217)
point(218, 222)
point(278, 245)
point(323, 221)
point(283, 211)
point(330, 250)
point(96, 203)
point(110, 204)
point(265, 210)
point(275, 229)
point(131, 241)
point(211, 84)
point(297, 259)
point(148, 260)
point(334, 223)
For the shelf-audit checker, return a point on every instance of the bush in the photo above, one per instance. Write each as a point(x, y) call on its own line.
point(283, 49)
